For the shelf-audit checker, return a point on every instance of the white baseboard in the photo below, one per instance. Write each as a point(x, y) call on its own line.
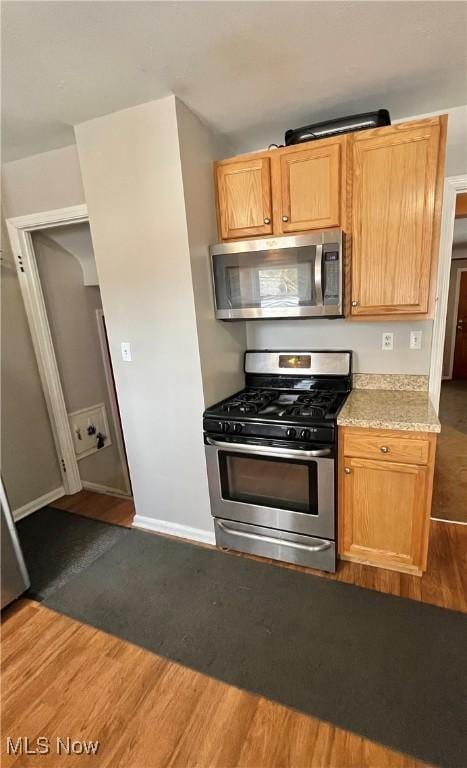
point(98, 488)
point(42, 501)
point(174, 529)
point(449, 522)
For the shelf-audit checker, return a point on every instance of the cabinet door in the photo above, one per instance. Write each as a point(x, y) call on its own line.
point(393, 211)
point(310, 188)
point(383, 514)
point(244, 198)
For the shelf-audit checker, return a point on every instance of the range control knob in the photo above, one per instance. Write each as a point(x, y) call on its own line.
point(225, 426)
point(305, 434)
point(290, 432)
point(237, 428)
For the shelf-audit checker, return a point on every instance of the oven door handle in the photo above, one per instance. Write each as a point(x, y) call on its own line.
point(261, 450)
point(273, 540)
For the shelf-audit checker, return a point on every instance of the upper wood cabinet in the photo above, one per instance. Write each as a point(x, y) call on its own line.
point(383, 187)
point(244, 198)
point(309, 187)
point(397, 177)
point(294, 189)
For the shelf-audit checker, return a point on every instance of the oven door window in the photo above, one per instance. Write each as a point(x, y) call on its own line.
point(269, 482)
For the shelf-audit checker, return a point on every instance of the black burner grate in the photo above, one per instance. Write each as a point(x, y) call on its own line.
point(279, 404)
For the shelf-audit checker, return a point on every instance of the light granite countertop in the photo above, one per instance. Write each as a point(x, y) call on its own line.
point(389, 409)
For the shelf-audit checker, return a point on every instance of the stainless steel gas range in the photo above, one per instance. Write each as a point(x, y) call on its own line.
point(271, 454)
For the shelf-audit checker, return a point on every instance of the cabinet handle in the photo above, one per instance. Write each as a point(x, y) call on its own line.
point(355, 303)
point(285, 218)
point(384, 449)
point(267, 220)
point(347, 470)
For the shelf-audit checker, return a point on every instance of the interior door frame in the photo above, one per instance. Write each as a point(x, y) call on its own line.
point(20, 231)
point(453, 186)
point(457, 294)
point(114, 410)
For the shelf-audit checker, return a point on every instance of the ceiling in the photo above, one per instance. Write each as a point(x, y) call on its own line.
point(249, 69)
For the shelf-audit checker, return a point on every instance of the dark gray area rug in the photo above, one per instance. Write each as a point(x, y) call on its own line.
point(58, 545)
point(390, 669)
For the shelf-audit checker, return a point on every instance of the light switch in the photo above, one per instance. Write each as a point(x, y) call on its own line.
point(415, 339)
point(126, 351)
point(387, 342)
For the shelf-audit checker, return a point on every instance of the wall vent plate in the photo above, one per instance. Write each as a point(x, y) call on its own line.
point(85, 425)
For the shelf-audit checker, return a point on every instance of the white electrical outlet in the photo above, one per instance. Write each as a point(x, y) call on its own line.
point(126, 351)
point(415, 339)
point(387, 342)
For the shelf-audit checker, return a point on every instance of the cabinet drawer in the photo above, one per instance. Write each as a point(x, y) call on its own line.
point(407, 450)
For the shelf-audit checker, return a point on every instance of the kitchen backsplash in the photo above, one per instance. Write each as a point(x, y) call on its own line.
point(406, 382)
point(364, 339)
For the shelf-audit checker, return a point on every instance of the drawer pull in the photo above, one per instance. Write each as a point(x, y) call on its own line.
point(384, 449)
point(347, 470)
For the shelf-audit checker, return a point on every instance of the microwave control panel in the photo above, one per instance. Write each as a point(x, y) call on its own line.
point(332, 276)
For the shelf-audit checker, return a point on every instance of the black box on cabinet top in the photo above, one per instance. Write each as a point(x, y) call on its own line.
point(337, 126)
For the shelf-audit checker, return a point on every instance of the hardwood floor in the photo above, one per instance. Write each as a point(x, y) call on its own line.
point(450, 481)
point(100, 506)
point(443, 584)
point(63, 678)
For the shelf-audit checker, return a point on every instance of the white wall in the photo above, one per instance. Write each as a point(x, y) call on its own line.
point(76, 239)
point(71, 310)
point(456, 144)
point(363, 338)
point(29, 461)
point(130, 163)
point(42, 182)
point(221, 345)
point(28, 458)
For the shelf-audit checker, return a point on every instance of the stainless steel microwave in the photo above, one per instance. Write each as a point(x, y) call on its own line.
point(298, 276)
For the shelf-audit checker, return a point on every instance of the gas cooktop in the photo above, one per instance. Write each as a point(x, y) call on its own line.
point(279, 405)
point(293, 396)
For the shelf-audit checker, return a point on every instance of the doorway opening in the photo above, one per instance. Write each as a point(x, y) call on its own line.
point(450, 486)
point(60, 287)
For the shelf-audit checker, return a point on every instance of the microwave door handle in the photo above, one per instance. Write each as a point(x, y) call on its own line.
point(228, 293)
point(319, 275)
point(260, 450)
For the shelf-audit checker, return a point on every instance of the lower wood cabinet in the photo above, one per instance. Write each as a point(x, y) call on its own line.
point(385, 488)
